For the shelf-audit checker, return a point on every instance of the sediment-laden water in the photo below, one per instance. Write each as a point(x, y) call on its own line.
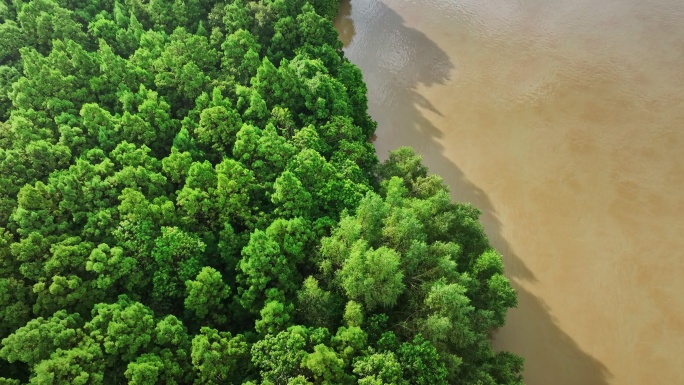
point(564, 122)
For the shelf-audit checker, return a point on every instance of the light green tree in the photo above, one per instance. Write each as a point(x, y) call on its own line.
point(206, 296)
point(217, 355)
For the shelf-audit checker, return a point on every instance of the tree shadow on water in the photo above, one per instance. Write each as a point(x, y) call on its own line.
point(397, 60)
point(344, 23)
point(551, 356)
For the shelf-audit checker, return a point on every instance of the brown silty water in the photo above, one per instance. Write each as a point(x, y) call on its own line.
point(564, 122)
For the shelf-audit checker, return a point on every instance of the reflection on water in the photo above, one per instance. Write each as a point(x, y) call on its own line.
point(564, 122)
point(344, 23)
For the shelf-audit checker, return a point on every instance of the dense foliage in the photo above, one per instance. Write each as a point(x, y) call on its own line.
point(188, 195)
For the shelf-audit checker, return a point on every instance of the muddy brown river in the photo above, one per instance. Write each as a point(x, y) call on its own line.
point(563, 120)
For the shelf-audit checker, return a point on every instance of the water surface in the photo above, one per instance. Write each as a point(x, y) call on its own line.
point(563, 120)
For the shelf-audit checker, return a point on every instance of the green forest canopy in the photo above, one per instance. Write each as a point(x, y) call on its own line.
point(189, 196)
